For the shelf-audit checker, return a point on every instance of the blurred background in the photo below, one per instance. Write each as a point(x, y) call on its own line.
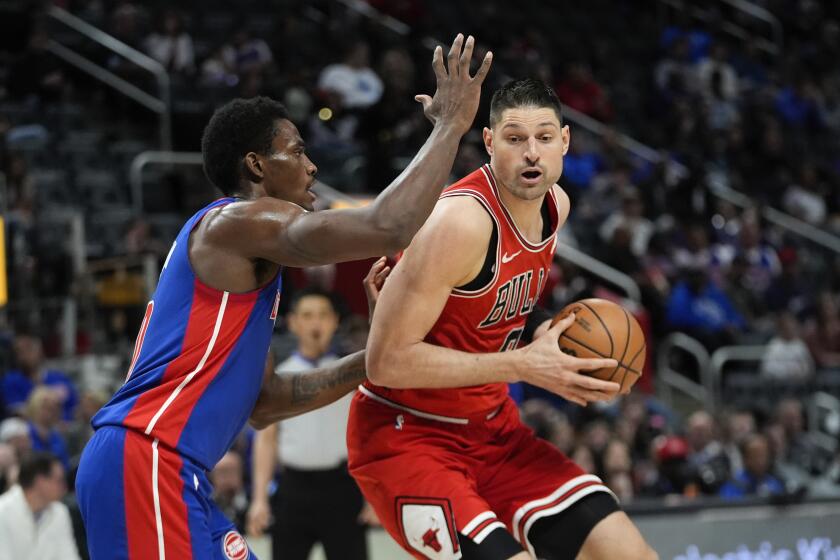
point(704, 174)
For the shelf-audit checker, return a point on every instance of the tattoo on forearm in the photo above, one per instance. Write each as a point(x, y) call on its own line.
point(306, 387)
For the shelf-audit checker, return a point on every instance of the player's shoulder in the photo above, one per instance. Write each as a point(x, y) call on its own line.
point(241, 218)
point(564, 203)
point(461, 218)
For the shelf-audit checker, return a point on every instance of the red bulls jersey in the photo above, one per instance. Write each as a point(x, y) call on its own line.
point(490, 318)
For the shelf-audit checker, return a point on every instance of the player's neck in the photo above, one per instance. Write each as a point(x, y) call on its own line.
point(526, 213)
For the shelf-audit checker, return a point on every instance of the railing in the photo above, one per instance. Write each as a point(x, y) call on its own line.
point(162, 105)
point(727, 354)
point(600, 269)
point(669, 379)
point(764, 15)
point(141, 160)
point(774, 216)
point(773, 46)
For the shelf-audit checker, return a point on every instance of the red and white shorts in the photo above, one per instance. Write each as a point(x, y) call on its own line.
point(432, 478)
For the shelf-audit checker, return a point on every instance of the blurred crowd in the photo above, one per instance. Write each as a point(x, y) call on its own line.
point(723, 112)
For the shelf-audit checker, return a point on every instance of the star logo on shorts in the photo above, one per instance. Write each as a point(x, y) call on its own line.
point(430, 539)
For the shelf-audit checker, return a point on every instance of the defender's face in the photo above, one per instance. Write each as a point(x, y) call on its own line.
point(288, 173)
point(526, 150)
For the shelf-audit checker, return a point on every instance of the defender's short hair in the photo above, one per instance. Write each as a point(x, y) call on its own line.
point(236, 128)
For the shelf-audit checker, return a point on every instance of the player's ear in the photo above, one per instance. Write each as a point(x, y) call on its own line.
point(487, 135)
point(253, 167)
point(566, 135)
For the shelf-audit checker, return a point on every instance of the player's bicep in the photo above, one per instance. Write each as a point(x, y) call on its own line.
point(416, 292)
point(284, 233)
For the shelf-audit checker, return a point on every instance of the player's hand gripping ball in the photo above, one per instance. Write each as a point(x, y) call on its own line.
point(603, 329)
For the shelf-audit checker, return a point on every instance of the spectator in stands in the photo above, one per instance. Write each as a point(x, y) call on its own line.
point(762, 259)
point(171, 45)
point(799, 448)
point(356, 83)
point(706, 457)
point(31, 372)
point(15, 433)
point(737, 284)
point(630, 216)
point(703, 310)
point(228, 482)
point(581, 165)
point(806, 198)
point(787, 356)
point(43, 410)
point(823, 334)
point(797, 104)
point(80, 431)
point(8, 467)
point(714, 68)
point(790, 291)
point(739, 425)
point(584, 458)
point(579, 90)
point(246, 54)
point(549, 423)
point(617, 459)
point(218, 70)
point(33, 521)
point(675, 75)
point(672, 475)
point(756, 479)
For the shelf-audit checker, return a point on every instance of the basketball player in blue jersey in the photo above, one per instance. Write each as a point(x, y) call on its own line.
point(199, 368)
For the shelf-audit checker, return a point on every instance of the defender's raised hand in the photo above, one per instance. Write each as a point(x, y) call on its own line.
point(457, 95)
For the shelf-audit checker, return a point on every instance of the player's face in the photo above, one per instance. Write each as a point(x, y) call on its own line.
point(313, 322)
point(288, 173)
point(526, 150)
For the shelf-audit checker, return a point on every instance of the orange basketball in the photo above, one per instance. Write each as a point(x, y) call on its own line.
point(603, 329)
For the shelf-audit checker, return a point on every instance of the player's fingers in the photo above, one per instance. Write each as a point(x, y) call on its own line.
point(562, 325)
point(466, 57)
point(454, 52)
point(593, 384)
point(576, 398)
point(484, 68)
point(437, 64)
point(424, 100)
point(591, 364)
point(382, 275)
point(593, 396)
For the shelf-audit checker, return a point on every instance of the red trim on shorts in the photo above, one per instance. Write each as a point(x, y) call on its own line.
point(140, 518)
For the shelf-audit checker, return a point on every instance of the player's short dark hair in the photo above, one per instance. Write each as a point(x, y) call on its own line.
point(524, 92)
point(35, 464)
point(313, 292)
point(236, 128)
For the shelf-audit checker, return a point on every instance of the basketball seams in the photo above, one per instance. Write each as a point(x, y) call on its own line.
point(626, 345)
point(620, 364)
point(603, 324)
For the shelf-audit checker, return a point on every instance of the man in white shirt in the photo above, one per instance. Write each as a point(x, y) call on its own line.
point(317, 500)
point(34, 524)
point(353, 79)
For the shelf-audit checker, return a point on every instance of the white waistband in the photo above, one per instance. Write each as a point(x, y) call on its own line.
point(419, 413)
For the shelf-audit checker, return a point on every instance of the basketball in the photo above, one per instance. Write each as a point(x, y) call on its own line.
point(603, 329)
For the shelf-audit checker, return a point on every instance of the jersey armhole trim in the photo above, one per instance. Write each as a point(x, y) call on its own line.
point(486, 205)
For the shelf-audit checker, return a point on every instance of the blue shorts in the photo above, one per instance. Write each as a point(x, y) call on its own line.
point(141, 501)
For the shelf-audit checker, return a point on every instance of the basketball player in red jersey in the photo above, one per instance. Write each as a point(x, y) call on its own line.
point(434, 441)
